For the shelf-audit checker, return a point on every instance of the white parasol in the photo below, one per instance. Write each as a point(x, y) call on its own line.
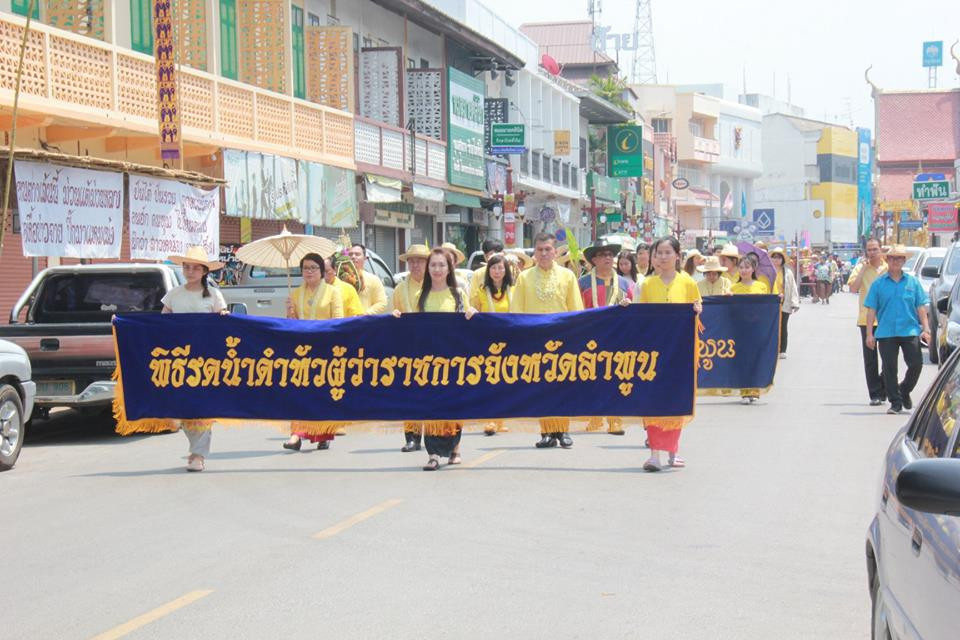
point(284, 251)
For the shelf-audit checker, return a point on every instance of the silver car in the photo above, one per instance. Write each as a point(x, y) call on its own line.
point(17, 391)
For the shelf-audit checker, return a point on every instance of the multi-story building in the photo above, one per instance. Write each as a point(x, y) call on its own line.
point(809, 179)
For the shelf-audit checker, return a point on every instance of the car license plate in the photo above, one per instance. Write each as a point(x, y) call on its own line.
point(56, 388)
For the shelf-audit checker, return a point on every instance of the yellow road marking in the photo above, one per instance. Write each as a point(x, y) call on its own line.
point(151, 616)
point(329, 532)
point(484, 458)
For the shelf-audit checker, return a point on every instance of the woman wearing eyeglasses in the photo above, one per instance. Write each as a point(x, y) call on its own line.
point(313, 300)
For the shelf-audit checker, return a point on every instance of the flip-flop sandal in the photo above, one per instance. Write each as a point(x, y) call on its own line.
point(454, 459)
point(677, 462)
point(431, 465)
point(649, 466)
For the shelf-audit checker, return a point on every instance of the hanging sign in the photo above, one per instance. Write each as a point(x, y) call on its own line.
point(66, 212)
point(168, 217)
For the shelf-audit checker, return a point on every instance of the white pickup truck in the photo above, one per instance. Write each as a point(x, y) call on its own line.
point(17, 390)
point(264, 291)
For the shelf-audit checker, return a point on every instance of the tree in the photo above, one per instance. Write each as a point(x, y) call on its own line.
point(611, 89)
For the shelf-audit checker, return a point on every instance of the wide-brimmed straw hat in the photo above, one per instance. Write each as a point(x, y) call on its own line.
point(712, 264)
point(416, 251)
point(520, 256)
point(730, 251)
point(196, 255)
point(780, 251)
point(897, 251)
point(592, 250)
point(449, 246)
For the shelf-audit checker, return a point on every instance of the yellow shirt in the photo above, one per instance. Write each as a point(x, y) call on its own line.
point(476, 280)
point(373, 296)
point(778, 283)
point(719, 288)
point(731, 278)
point(765, 280)
point(682, 289)
point(406, 294)
point(553, 291)
point(442, 301)
point(351, 299)
point(323, 303)
point(480, 300)
point(754, 287)
point(869, 275)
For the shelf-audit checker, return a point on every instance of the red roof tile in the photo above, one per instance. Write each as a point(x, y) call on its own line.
point(918, 126)
point(566, 42)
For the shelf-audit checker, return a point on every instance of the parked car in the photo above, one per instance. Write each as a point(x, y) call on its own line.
point(948, 338)
point(264, 291)
point(17, 391)
point(66, 332)
point(913, 255)
point(913, 541)
point(930, 257)
point(943, 277)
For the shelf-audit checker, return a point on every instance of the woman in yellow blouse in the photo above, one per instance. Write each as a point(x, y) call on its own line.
point(670, 285)
point(493, 296)
point(749, 285)
point(313, 300)
point(713, 283)
point(440, 293)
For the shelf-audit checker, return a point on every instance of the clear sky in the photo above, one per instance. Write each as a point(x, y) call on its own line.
point(822, 46)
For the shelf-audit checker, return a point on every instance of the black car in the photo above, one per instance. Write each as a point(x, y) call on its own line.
point(913, 542)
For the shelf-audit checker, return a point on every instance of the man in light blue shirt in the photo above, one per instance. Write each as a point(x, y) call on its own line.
point(897, 302)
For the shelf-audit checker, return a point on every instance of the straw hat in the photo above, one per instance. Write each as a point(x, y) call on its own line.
point(778, 251)
point(520, 256)
point(416, 251)
point(730, 251)
point(196, 255)
point(449, 246)
point(897, 251)
point(760, 244)
point(712, 264)
point(692, 253)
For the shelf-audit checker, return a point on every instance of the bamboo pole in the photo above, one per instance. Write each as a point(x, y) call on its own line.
point(13, 127)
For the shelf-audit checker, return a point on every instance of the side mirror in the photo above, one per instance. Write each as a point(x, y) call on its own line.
point(237, 308)
point(931, 486)
point(930, 272)
point(942, 305)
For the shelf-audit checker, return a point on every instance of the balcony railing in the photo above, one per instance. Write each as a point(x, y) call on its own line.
point(706, 146)
point(85, 80)
point(399, 152)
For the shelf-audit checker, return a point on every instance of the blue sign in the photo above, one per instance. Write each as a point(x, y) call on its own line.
point(765, 220)
point(929, 177)
point(739, 344)
point(507, 151)
point(911, 225)
point(933, 54)
point(864, 184)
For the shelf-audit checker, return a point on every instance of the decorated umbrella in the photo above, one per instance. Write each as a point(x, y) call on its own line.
point(765, 266)
point(284, 250)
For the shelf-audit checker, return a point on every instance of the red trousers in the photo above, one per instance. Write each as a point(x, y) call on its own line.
point(663, 439)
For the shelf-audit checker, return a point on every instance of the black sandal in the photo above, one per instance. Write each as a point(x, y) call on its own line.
point(432, 465)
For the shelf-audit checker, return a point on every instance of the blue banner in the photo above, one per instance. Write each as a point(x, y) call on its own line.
point(623, 361)
point(740, 343)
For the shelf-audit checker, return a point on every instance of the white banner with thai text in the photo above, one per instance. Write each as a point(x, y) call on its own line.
point(168, 217)
point(67, 212)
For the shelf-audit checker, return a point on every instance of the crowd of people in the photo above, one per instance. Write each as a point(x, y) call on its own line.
point(553, 280)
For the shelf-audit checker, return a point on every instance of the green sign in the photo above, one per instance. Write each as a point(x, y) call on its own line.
point(607, 189)
point(506, 138)
point(932, 190)
point(625, 151)
point(465, 158)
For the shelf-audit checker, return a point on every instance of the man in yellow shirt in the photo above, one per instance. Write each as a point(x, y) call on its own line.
point(372, 294)
point(548, 288)
point(868, 269)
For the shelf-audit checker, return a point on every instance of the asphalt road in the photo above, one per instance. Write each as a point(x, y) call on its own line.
point(761, 536)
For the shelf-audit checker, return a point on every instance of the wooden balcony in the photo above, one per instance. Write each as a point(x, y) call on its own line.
point(73, 79)
point(396, 153)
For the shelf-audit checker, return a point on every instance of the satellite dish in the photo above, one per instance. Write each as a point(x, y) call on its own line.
point(548, 63)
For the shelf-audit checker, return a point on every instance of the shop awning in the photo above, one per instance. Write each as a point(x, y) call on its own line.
point(423, 192)
point(463, 200)
point(380, 189)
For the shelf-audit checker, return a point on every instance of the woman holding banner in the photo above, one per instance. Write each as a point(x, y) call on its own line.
point(749, 285)
point(195, 296)
point(494, 296)
point(786, 287)
point(313, 300)
point(440, 293)
point(669, 285)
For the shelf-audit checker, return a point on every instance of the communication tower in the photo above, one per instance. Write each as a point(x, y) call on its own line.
point(644, 69)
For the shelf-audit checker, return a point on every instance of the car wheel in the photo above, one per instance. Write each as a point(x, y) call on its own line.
point(11, 426)
point(878, 619)
point(932, 347)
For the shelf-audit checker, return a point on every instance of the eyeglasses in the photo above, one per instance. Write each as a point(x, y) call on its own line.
point(314, 268)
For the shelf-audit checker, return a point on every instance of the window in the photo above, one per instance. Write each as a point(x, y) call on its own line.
point(296, 33)
point(524, 163)
point(424, 63)
point(141, 25)
point(556, 171)
point(333, 8)
point(313, 20)
point(95, 297)
point(696, 127)
point(535, 162)
point(228, 38)
point(583, 153)
point(411, 63)
point(566, 174)
point(20, 8)
point(575, 178)
point(367, 42)
point(660, 125)
point(938, 420)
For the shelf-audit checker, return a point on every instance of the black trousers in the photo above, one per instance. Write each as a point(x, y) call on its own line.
point(890, 349)
point(784, 318)
point(442, 446)
point(871, 367)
